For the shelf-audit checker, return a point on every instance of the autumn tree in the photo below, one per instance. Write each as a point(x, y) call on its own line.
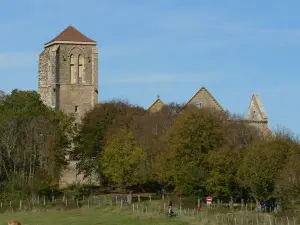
point(123, 160)
point(148, 128)
point(96, 128)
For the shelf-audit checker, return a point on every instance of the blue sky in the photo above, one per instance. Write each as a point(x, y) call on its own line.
point(168, 47)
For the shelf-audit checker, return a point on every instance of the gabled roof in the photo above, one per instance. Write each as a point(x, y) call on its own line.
point(155, 102)
point(209, 94)
point(256, 109)
point(70, 34)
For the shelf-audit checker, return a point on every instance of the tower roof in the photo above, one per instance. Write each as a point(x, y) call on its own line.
point(70, 34)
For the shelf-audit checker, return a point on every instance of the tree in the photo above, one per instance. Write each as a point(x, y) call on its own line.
point(2, 96)
point(288, 181)
point(122, 160)
point(261, 165)
point(239, 134)
point(33, 140)
point(96, 128)
point(223, 167)
point(192, 136)
point(148, 128)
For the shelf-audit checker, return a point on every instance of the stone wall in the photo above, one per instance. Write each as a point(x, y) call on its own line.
point(55, 85)
point(56, 90)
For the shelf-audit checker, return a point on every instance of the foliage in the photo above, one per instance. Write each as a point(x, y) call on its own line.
point(193, 135)
point(127, 158)
point(223, 168)
point(288, 180)
point(261, 165)
point(2, 96)
point(96, 127)
point(33, 142)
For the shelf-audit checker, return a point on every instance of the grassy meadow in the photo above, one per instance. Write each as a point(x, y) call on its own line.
point(86, 217)
point(142, 214)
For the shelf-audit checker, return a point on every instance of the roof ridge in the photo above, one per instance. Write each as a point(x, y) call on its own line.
point(71, 34)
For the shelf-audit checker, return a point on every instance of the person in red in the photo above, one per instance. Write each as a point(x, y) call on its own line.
point(199, 207)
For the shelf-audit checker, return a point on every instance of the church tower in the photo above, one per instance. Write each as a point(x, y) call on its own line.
point(68, 73)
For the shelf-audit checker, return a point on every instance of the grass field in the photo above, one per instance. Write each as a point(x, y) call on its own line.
point(86, 217)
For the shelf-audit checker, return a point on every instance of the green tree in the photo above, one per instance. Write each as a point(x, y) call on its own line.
point(192, 136)
point(33, 138)
point(223, 167)
point(288, 181)
point(261, 165)
point(122, 160)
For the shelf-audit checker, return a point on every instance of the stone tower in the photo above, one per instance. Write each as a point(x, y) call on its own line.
point(68, 73)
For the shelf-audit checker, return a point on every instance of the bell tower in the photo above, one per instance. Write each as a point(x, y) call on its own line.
point(68, 73)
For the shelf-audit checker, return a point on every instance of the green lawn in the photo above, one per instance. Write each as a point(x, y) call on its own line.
point(86, 217)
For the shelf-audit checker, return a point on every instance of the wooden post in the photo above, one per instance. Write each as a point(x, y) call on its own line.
point(133, 207)
point(139, 199)
point(20, 204)
point(38, 200)
point(180, 206)
point(150, 198)
point(44, 200)
point(66, 202)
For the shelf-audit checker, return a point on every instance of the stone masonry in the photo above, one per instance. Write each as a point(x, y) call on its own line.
point(69, 84)
point(55, 86)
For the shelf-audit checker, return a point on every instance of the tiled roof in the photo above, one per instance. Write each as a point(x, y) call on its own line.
point(72, 35)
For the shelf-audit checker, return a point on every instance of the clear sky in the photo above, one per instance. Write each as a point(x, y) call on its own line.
point(168, 47)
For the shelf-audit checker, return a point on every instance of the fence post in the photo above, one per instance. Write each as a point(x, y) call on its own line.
point(66, 202)
point(20, 204)
point(44, 200)
point(139, 199)
point(180, 206)
point(150, 198)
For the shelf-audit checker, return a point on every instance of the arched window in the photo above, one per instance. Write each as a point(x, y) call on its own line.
point(72, 69)
point(80, 67)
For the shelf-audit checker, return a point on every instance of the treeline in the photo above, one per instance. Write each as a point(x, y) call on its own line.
point(190, 151)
